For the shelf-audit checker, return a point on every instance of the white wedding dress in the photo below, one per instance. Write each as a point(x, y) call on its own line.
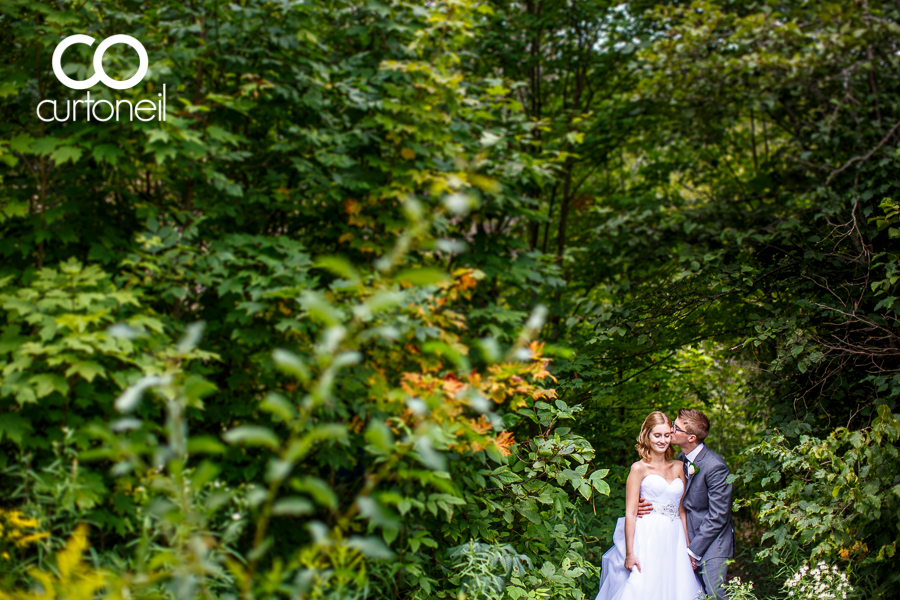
point(660, 548)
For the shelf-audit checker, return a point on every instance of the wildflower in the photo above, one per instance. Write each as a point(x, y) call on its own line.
point(818, 582)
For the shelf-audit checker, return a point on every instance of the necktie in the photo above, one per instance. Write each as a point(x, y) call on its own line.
point(686, 461)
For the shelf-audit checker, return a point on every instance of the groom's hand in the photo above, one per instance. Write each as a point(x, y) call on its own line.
point(644, 507)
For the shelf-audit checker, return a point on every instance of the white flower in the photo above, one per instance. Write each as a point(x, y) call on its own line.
point(691, 469)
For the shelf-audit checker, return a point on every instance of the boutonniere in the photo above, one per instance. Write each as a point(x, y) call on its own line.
point(692, 468)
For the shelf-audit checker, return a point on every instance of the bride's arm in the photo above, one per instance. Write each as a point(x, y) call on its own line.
point(683, 513)
point(687, 538)
point(632, 497)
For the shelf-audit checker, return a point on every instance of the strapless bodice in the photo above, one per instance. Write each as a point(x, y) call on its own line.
point(655, 489)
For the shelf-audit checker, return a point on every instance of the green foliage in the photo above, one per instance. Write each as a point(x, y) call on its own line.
point(428, 433)
point(339, 410)
point(347, 219)
point(731, 220)
point(832, 496)
point(482, 570)
point(67, 312)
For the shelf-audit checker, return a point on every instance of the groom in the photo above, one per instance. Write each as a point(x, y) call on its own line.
point(707, 501)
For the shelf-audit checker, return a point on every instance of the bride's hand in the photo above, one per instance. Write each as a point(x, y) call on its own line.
point(631, 562)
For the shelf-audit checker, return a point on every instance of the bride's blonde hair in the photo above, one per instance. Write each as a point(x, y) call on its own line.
point(643, 446)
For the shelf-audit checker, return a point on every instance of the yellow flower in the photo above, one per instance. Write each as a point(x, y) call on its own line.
point(16, 519)
point(14, 528)
point(32, 538)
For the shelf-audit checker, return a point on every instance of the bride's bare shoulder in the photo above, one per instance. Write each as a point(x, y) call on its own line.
point(637, 473)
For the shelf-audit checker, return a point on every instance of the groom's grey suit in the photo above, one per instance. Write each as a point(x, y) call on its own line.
point(707, 502)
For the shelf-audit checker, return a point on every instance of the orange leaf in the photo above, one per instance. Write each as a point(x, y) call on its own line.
point(503, 442)
point(351, 206)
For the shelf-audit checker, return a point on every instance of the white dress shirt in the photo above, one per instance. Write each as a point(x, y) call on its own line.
point(692, 456)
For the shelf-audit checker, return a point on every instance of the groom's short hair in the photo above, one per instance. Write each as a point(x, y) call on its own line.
point(696, 422)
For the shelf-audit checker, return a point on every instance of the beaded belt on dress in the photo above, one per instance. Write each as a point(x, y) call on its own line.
point(666, 510)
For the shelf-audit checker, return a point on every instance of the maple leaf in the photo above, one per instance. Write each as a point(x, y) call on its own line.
point(520, 402)
point(452, 384)
point(504, 441)
point(481, 425)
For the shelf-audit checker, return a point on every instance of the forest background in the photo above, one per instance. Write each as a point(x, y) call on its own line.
point(378, 309)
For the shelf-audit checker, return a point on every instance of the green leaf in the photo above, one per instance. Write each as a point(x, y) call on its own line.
point(157, 135)
point(548, 570)
point(47, 383)
point(192, 335)
point(340, 266)
point(205, 444)
point(390, 534)
point(379, 436)
point(14, 427)
point(599, 474)
point(252, 435)
point(531, 515)
point(422, 277)
point(318, 489)
point(131, 397)
point(279, 405)
point(447, 351)
point(109, 153)
point(585, 489)
point(601, 486)
point(320, 308)
point(372, 547)
point(44, 145)
point(292, 364)
point(21, 143)
point(293, 507)
point(428, 456)
point(66, 154)
point(515, 592)
point(197, 388)
point(87, 370)
point(8, 88)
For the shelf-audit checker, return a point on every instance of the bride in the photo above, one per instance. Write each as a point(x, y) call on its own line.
point(650, 559)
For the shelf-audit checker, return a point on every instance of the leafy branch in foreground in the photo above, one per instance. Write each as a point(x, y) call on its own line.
point(832, 496)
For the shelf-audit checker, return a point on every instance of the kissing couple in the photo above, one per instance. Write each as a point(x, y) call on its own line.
point(677, 534)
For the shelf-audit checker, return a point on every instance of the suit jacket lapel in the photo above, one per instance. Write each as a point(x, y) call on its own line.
point(690, 479)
